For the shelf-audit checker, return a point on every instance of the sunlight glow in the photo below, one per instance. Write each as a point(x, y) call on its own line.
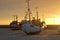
point(57, 20)
point(52, 21)
point(49, 21)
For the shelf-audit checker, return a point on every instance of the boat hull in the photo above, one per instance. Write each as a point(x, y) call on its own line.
point(30, 28)
point(14, 25)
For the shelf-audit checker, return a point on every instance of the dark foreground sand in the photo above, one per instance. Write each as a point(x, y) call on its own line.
point(7, 34)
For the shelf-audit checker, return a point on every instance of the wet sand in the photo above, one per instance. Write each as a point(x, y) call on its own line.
point(7, 34)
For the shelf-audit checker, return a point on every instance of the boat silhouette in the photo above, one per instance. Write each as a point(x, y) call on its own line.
point(33, 26)
point(14, 25)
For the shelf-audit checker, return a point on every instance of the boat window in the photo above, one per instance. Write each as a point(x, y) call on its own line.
point(32, 25)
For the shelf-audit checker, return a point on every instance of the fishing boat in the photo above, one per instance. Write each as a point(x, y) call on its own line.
point(29, 26)
point(14, 25)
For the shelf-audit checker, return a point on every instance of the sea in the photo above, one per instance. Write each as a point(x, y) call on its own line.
point(47, 34)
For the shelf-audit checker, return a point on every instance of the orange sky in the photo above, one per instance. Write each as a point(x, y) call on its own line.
point(49, 8)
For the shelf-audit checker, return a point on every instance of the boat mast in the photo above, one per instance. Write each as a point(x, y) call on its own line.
point(15, 17)
point(37, 13)
point(43, 17)
point(26, 16)
point(29, 12)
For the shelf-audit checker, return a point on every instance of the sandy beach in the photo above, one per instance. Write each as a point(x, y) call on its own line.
point(7, 34)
